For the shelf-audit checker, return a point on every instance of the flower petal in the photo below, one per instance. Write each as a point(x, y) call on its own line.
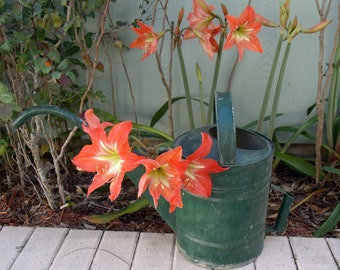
point(196, 178)
point(204, 148)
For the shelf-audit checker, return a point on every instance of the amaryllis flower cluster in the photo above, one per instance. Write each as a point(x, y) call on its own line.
point(110, 157)
point(242, 30)
point(214, 32)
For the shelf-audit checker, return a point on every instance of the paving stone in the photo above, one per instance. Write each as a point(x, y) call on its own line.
point(276, 255)
point(77, 251)
point(115, 251)
point(12, 242)
point(312, 253)
point(334, 244)
point(53, 248)
point(41, 249)
point(154, 252)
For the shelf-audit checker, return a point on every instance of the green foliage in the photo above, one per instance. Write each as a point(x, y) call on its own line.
point(42, 49)
point(329, 167)
point(330, 223)
point(303, 165)
point(7, 103)
point(106, 218)
point(297, 163)
point(165, 107)
point(3, 147)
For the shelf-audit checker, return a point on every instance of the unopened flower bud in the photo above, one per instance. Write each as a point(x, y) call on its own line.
point(286, 4)
point(118, 44)
point(198, 73)
point(224, 9)
point(262, 20)
point(294, 32)
point(316, 28)
point(180, 16)
point(291, 26)
point(284, 15)
point(294, 23)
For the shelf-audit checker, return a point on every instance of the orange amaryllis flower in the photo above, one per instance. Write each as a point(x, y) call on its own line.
point(202, 15)
point(147, 39)
point(202, 26)
point(196, 178)
point(163, 176)
point(243, 32)
point(206, 38)
point(109, 154)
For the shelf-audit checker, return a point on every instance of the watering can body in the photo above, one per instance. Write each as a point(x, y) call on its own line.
point(227, 229)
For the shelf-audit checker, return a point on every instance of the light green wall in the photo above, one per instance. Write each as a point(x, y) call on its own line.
point(300, 82)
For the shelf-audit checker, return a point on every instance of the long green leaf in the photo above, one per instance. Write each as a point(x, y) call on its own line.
point(164, 108)
point(295, 130)
point(254, 123)
point(297, 163)
point(331, 169)
point(105, 218)
point(336, 128)
point(330, 223)
point(298, 132)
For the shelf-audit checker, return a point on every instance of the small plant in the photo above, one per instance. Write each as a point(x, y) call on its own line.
point(43, 48)
point(326, 166)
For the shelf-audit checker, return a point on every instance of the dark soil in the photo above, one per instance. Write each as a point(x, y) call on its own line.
point(20, 206)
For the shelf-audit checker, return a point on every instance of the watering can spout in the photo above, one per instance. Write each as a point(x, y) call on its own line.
point(45, 109)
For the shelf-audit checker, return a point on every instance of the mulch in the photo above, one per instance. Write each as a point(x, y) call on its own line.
point(20, 206)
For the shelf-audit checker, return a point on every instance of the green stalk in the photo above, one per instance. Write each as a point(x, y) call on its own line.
point(186, 86)
point(333, 98)
point(278, 92)
point(215, 77)
point(269, 84)
point(199, 77)
point(203, 119)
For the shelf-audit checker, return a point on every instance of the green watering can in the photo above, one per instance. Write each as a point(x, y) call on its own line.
point(227, 229)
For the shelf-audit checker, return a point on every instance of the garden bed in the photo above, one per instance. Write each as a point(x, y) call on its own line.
point(20, 206)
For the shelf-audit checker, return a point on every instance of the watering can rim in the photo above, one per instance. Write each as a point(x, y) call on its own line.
point(226, 147)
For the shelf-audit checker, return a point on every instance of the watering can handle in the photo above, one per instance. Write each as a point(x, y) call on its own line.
point(226, 131)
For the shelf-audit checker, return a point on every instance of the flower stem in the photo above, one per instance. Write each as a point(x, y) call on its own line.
point(332, 98)
point(215, 77)
point(186, 86)
point(277, 92)
point(269, 84)
point(203, 119)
